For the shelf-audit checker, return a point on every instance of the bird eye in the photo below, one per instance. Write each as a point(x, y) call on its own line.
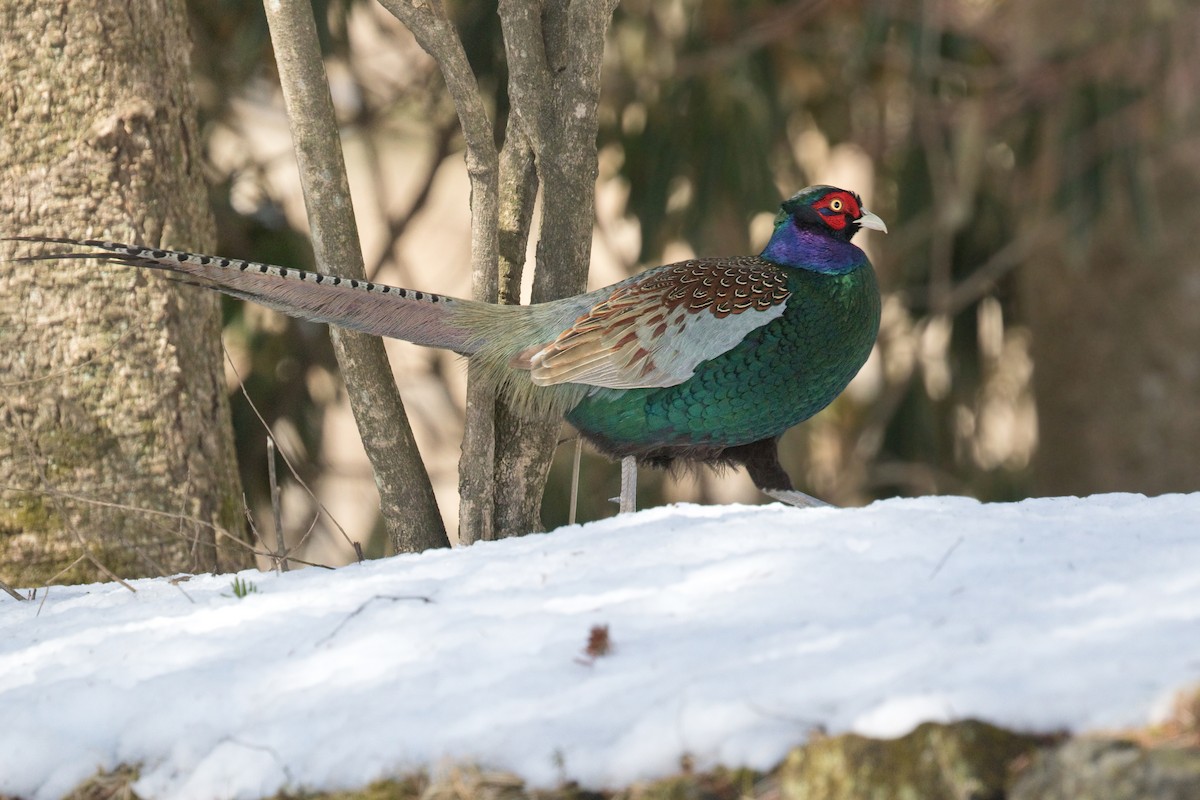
point(835, 204)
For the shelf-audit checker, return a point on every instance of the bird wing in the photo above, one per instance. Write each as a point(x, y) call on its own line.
point(421, 317)
point(656, 329)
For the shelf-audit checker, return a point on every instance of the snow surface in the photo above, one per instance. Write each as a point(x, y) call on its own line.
point(736, 632)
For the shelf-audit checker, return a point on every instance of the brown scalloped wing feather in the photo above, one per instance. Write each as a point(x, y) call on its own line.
point(654, 332)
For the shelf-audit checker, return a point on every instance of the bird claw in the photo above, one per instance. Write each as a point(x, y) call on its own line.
point(794, 498)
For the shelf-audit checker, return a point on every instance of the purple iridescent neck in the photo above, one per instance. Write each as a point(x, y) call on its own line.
point(804, 248)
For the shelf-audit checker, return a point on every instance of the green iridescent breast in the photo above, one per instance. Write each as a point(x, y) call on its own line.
point(777, 376)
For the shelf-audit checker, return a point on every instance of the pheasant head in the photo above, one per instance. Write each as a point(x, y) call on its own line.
point(814, 227)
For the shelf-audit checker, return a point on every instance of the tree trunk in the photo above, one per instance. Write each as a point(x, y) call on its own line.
point(554, 52)
point(554, 61)
point(111, 381)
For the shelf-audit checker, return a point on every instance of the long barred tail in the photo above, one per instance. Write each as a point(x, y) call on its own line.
point(419, 317)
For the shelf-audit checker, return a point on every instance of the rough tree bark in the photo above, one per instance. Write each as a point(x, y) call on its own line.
point(111, 382)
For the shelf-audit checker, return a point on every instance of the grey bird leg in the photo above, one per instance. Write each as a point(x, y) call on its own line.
point(628, 484)
point(575, 480)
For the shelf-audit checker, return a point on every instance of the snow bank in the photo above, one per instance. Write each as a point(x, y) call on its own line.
point(735, 630)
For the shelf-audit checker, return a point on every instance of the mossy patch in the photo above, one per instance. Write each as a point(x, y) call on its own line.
point(25, 513)
point(967, 760)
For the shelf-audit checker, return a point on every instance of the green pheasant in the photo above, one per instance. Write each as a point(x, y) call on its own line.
point(707, 360)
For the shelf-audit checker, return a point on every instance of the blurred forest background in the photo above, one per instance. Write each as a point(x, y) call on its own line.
point(1037, 163)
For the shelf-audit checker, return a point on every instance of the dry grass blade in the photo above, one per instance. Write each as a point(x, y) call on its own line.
point(287, 461)
point(281, 563)
point(11, 591)
point(216, 529)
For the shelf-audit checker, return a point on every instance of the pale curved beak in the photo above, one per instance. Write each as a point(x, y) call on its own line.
point(869, 220)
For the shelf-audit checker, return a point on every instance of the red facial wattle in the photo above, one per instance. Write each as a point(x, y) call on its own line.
point(838, 209)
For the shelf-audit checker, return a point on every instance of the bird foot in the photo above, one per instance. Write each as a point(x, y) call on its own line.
point(795, 498)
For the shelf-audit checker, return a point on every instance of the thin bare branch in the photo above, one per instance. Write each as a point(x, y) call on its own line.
point(280, 559)
point(983, 279)
point(518, 191)
point(217, 530)
point(363, 607)
point(63, 371)
point(436, 35)
point(397, 225)
point(406, 494)
point(286, 461)
point(529, 83)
